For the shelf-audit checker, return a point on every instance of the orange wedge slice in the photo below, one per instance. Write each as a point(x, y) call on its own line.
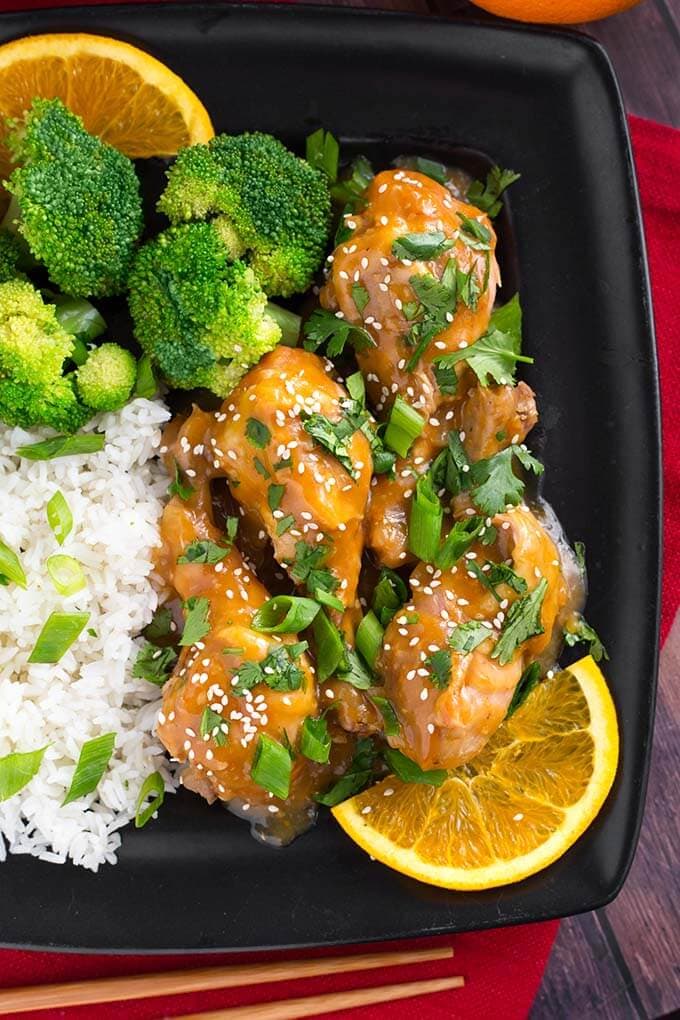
point(514, 809)
point(124, 95)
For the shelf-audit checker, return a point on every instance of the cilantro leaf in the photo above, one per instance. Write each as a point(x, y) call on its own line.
point(334, 436)
point(451, 467)
point(494, 482)
point(356, 777)
point(486, 196)
point(496, 574)
point(161, 626)
point(359, 297)
point(322, 152)
point(580, 554)
point(583, 632)
point(284, 524)
point(475, 234)
point(439, 664)
point(180, 488)
point(275, 495)
point(196, 623)
point(257, 433)
point(204, 551)
point(211, 726)
point(525, 685)
point(351, 189)
point(324, 327)
point(431, 168)
point(466, 636)
point(495, 355)
point(247, 676)
point(522, 622)
point(429, 245)
point(280, 671)
point(154, 664)
point(353, 671)
point(446, 378)
point(410, 772)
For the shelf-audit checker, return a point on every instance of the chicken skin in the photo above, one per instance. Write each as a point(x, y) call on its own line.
point(211, 719)
point(400, 203)
point(450, 705)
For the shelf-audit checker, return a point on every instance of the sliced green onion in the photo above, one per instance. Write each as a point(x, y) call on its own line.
point(410, 772)
point(322, 152)
point(78, 317)
point(10, 567)
point(59, 632)
point(63, 446)
point(284, 524)
point(154, 787)
point(92, 761)
point(146, 384)
point(327, 598)
point(285, 614)
point(272, 766)
point(404, 425)
point(431, 168)
point(390, 718)
point(288, 322)
point(66, 573)
point(330, 648)
point(356, 387)
point(17, 769)
point(389, 595)
point(59, 516)
point(369, 638)
point(425, 522)
point(315, 740)
point(458, 541)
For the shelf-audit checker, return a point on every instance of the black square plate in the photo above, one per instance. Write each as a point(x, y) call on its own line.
point(547, 105)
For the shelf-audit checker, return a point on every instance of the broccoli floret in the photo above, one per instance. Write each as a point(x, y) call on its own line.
point(78, 198)
point(106, 379)
point(200, 317)
point(274, 208)
point(33, 348)
point(10, 257)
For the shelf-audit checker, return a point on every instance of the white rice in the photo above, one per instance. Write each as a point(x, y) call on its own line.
point(116, 498)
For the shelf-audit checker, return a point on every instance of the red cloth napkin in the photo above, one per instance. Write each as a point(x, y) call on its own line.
point(502, 967)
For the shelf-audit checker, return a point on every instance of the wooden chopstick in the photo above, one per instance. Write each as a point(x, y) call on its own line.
point(177, 982)
point(315, 1005)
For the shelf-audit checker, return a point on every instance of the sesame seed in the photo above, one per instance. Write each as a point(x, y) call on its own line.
point(423, 694)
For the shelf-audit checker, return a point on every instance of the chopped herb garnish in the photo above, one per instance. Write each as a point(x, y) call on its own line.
point(495, 355)
point(330, 648)
point(446, 378)
point(10, 567)
point(525, 685)
point(369, 638)
point(59, 516)
point(356, 777)
point(459, 539)
point(334, 437)
point(59, 632)
point(404, 426)
point(496, 574)
point(63, 446)
point(315, 740)
point(307, 568)
point(466, 636)
point(277, 670)
point(476, 235)
point(439, 664)
point(390, 718)
point(522, 622)
point(389, 595)
point(451, 467)
point(248, 675)
point(178, 487)
point(211, 726)
point(580, 554)
point(196, 624)
point(260, 468)
point(352, 670)
point(17, 769)
point(272, 766)
point(431, 168)
point(92, 761)
point(154, 664)
point(322, 152)
point(359, 297)
point(494, 483)
point(583, 632)
point(351, 188)
point(154, 787)
point(161, 626)
point(275, 495)
point(429, 245)
point(425, 521)
point(284, 524)
point(257, 433)
point(486, 196)
point(324, 327)
point(285, 614)
point(410, 772)
point(204, 551)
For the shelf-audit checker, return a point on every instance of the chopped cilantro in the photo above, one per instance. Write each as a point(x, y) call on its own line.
point(204, 551)
point(161, 626)
point(284, 524)
point(439, 664)
point(495, 355)
point(359, 297)
point(334, 437)
point(446, 377)
point(582, 631)
point(476, 235)
point(154, 664)
point(429, 245)
point(431, 168)
point(494, 483)
point(528, 680)
point(522, 622)
point(308, 569)
point(275, 495)
point(257, 433)
point(486, 196)
point(278, 670)
point(466, 636)
point(211, 726)
point(352, 187)
point(180, 488)
point(496, 574)
point(324, 327)
point(356, 777)
point(196, 623)
point(410, 772)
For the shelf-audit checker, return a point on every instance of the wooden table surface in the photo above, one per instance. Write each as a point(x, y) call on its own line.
point(624, 961)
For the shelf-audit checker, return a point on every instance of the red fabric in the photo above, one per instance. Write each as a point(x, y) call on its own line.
point(502, 967)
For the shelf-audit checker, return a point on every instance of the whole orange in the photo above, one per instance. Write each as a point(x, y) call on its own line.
point(559, 11)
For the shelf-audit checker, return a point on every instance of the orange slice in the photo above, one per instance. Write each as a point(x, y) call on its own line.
point(124, 95)
point(514, 809)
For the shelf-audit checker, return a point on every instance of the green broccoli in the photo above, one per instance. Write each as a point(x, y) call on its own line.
point(33, 349)
point(106, 379)
point(79, 204)
point(200, 317)
point(10, 257)
point(273, 208)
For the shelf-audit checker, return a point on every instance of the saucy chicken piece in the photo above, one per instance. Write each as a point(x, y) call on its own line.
point(447, 717)
point(209, 718)
point(488, 419)
point(401, 202)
